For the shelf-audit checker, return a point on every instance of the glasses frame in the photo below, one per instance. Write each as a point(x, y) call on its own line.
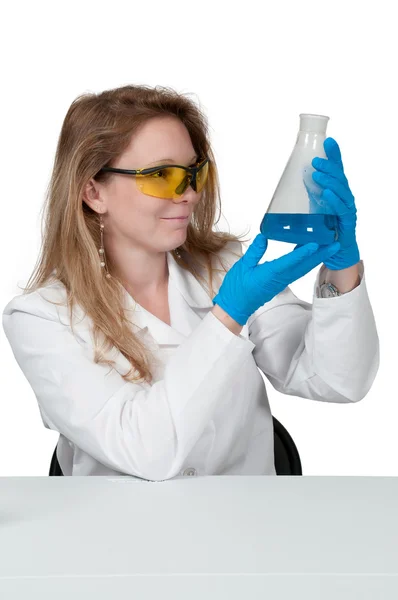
point(148, 171)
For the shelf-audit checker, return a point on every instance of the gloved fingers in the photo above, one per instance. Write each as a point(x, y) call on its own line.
point(307, 256)
point(314, 260)
point(255, 251)
point(291, 259)
point(339, 207)
point(329, 168)
point(343, 191)
point(321, 256)
point(332, 151)
point(321, 247)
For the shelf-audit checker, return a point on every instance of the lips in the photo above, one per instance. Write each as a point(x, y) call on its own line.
point(179, 217)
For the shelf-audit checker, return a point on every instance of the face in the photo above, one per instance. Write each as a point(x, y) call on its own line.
point(141, 220)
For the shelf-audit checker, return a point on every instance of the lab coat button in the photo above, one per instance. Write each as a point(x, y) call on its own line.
point(190, 471)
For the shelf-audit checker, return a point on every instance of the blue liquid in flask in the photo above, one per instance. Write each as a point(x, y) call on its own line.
point(300, 228)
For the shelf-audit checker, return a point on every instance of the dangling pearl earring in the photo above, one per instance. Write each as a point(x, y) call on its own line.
point(102, 249)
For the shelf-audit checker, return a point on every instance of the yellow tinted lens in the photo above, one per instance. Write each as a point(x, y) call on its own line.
point(169, 182)
point(201, 177)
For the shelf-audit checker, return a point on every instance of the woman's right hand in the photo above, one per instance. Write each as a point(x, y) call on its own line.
point(248, 285)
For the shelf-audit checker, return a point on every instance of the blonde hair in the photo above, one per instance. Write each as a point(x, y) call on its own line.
point(96, 130)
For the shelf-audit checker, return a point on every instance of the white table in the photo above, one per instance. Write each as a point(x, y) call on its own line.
point(312, 538)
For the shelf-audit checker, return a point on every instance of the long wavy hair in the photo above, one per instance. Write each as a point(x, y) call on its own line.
point(96, 130)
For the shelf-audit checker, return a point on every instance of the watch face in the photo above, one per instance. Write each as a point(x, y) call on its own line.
point(328, 290)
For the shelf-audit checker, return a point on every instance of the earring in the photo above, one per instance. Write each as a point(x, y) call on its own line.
point(102, 249)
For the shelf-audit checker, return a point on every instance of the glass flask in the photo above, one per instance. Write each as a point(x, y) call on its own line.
point(296, 213)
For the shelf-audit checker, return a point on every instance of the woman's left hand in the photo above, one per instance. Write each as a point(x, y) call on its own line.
point(330, 175)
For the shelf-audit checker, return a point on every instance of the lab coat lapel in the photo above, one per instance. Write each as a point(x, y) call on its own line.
point(160, 332)
point(191, 290)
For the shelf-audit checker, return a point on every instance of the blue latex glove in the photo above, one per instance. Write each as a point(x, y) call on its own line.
point(330, 175)
point(248, 285)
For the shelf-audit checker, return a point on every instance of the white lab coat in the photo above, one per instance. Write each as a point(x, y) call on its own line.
point(207, 410)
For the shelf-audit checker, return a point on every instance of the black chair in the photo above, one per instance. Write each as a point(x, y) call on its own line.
point(55, 469)
point(287, 458)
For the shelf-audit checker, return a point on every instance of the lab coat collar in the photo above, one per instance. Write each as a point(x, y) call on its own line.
point(187, 284)
point(190, 289)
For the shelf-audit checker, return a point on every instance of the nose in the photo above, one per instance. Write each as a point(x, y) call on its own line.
point(187, 189)
point(189, 196)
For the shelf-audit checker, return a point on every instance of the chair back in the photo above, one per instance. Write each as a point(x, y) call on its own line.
point(287, 458)
point(55, 469)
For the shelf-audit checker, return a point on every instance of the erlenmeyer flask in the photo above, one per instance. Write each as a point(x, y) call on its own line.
point(296, 213)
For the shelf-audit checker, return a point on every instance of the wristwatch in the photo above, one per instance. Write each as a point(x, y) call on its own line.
point(328, 290)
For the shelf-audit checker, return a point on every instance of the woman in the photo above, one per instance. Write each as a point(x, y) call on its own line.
point(134, 360)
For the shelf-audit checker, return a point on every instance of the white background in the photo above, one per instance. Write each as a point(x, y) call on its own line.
point(253, 67)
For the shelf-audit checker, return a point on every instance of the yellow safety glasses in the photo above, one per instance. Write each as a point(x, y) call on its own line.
point(167, 181)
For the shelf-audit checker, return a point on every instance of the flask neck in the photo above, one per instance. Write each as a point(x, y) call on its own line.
point(310, 139)
point(312, 131)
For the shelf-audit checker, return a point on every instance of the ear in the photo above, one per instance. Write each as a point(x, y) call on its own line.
point(92, 197)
